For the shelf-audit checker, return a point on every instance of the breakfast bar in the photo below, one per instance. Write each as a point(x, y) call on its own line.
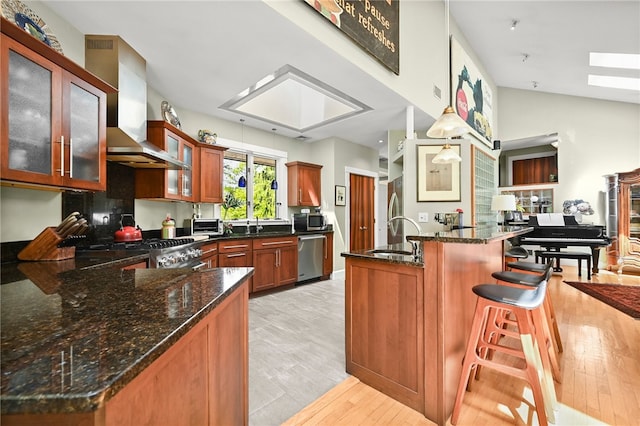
point(407, 318)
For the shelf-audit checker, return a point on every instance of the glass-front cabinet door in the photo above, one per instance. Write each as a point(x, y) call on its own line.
point(173, 176)
point(634, 212)
point(86, 147)
point(187, 174)
point(32, 132)
point(53, 128)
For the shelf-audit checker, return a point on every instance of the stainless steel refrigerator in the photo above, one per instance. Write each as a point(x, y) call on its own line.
point(395, 230)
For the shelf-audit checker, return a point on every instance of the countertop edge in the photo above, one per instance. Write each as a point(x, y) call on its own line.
point(92, 401)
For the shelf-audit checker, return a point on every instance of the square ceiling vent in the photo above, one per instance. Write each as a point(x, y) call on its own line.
point(295, 100)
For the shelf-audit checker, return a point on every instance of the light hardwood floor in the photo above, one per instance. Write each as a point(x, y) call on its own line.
point(600, 375)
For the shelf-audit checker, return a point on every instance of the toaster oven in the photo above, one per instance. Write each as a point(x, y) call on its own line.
point(200, 226)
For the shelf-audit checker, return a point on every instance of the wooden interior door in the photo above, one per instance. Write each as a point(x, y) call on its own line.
point(362, 212)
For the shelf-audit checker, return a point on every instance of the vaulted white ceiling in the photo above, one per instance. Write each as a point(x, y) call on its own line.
point(186, 59)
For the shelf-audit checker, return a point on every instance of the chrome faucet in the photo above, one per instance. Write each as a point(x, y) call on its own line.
point(258, 226)
point(415, 245)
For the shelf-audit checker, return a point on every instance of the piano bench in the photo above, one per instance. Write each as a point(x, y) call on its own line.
point(548, 256)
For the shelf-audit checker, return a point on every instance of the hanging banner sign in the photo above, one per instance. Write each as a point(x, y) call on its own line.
point(373, 24)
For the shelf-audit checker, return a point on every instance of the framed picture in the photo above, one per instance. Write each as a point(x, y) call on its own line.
point(437, 182)
point(341, 195)
point(471, 94)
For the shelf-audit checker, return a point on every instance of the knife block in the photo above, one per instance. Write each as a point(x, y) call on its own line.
point(45, 247)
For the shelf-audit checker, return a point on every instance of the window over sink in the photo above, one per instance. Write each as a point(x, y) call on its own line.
point(264, 177)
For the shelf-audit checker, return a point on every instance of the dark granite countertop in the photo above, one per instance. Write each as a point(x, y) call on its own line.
point(268, 234)
point(72, 339)
point(473, 235)
point(394, 253)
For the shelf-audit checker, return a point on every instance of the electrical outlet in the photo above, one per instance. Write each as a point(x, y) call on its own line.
point(423, 217)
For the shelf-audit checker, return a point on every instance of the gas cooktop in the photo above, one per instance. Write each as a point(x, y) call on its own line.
point(148, 244)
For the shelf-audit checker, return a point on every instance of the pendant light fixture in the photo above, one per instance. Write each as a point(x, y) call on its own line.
point(446, 155)
point(242, 182)
point(274, 184)
point(449, 125)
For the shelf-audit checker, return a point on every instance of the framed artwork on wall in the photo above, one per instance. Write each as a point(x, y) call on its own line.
point(341, 195)
point(472, 97)
point(437, 182)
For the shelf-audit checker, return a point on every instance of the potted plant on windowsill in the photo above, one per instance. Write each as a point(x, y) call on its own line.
point(230, 202)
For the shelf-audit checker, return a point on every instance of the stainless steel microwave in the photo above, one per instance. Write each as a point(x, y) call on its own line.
point(309, 222)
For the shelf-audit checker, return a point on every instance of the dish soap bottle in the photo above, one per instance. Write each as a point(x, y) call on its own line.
point(168, 228)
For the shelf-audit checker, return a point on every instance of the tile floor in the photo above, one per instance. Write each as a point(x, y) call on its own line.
point(296, 349)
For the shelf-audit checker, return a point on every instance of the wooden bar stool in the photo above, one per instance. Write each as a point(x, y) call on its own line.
point(502, 320)
point(543, 271)
point(514, 253)
point(528, 266)
point(525, 305)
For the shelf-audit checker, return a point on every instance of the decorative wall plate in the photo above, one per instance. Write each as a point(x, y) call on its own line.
point(25, 18)
point(169, 114)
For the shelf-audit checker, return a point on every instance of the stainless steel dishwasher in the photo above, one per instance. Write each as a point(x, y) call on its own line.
point(310, 256)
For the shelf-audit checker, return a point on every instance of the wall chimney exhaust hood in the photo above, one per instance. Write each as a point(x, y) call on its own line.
point(113, 60)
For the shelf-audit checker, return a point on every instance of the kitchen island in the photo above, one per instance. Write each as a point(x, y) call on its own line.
point(407, 318)
point(114, 346)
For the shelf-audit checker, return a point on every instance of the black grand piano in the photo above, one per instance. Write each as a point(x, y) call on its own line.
point(569, 234)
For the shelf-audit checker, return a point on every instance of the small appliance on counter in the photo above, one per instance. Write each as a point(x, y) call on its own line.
point(129, 231)
point(309, 222)
point(201, 226)
point(168, 228)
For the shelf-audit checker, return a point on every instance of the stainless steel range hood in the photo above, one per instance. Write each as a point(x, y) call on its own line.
point(113, 60)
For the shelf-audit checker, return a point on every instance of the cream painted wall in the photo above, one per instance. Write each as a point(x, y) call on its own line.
point(596, 138)
point(24, 213)
point(423, 53)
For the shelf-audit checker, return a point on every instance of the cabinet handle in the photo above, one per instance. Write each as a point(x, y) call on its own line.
point(236, 246)
point(363, 228)
point(236, 255)
point(300, 195)
point(209, 251)
point(70, 157)
point(61, 155)
point(276, 242)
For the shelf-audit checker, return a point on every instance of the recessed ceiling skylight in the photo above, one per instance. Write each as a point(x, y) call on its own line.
point(615, 60)
point(627, 83)
point(295, 100)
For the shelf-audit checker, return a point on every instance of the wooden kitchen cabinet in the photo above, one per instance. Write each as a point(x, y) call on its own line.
point(170, 184)
point(327, 262)
point(52, 116)
point(234, 253)
point(211, 167)
point(623, 221)
point(210, 255)
point(275, 261)
point(304, 184)
point(198, 380)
